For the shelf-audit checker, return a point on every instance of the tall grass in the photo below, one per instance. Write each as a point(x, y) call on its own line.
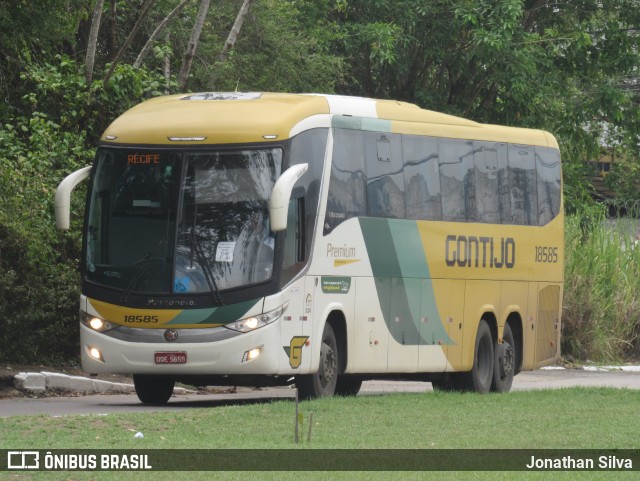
point(601, 314)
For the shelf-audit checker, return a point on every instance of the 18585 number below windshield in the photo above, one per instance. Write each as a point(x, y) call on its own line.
point(176, 222)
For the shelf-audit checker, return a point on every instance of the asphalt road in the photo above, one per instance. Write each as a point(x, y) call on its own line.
point(125, 403)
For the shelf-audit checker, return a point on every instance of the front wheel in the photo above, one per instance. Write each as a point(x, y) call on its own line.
point(153, 389)
point(348, 385)
point(323, 383)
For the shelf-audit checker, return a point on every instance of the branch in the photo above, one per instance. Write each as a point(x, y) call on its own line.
point(127, 42)
point(235, 30)
point(183, 75)
point(157, 32)
point(93, 40)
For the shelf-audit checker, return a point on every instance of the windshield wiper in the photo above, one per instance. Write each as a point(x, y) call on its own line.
point(140, 273)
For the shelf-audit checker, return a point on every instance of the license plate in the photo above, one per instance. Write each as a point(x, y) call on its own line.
point(170, 357)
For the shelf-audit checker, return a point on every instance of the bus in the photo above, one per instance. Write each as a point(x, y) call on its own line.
point(255, 238)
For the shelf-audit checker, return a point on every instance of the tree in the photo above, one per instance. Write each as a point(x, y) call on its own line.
point(284, 46)
point(235, 30)
point(564, 67)
point(183, 76)
point(145, 8)
point(90, 58)
point(158, 31)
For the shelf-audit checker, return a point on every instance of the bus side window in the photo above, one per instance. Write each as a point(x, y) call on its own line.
point(457, 180)
point(422, 180)
point(524, 192)
point(385, 175)
point(492, 189)
point(549, 184)
point(347, 196)
point(294, 246)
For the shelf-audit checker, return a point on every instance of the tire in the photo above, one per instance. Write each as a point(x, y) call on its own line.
point(322, 383)
point(444, 385)
point(153, 389)
point(480, 377)
point(453, 381)
point(504, 362)
point(348, 385)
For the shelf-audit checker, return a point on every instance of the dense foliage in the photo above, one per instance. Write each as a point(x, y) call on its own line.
point(570, 68)
point(602, 282)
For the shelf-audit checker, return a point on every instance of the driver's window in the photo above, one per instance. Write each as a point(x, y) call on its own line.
point(294, 252)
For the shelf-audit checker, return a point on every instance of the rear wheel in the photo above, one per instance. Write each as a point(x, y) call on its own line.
point(480, 377)
point(322, 383)
point(443, 385)
point(153, 389)
point(504, 362)
point(453, 381)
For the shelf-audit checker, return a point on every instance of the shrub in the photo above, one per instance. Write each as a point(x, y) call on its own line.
point(602, 289)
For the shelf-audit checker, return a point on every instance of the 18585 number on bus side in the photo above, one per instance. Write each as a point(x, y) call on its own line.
point(545, 255)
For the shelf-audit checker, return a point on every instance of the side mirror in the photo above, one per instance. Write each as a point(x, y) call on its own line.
point(63, 196)
point(279, 202)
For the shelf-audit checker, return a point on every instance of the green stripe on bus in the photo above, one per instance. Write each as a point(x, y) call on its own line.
point(360, 123)
point(410, 297)
point(215, 315)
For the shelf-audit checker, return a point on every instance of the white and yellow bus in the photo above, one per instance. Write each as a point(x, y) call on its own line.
point(248, 238)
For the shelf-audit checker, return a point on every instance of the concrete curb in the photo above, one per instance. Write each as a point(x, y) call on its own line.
point(594, 368)
point(39, 382)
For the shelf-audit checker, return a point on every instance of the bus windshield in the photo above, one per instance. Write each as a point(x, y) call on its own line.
point(181, 222)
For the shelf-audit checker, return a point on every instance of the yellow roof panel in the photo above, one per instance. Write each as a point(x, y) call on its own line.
point(394, 110)
point(236, 117)
point(222, 120)
point(486, 132)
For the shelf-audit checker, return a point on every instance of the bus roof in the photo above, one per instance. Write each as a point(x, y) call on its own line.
point(239, 117)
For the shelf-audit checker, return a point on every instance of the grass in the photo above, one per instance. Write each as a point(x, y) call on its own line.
point(601, 306)
point(563, 419)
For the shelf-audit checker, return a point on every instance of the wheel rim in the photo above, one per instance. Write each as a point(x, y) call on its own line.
point(507, 362)
point(328, 365)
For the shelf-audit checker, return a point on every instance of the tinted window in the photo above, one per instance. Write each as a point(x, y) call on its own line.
point(457, 180)
point(385, 179)
point(422, 179)
point(294, 246)
point(426, 178)
point(348, 184)
point(492, 182)
point(524, 193)
point(309, 147)
point(549, 184)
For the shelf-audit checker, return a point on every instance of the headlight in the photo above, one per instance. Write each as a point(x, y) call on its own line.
point(261, 320)
point(95, 323)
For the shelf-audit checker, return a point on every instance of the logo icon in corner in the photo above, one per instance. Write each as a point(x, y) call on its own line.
point(170, 335)
point(294, 350)
point(23, 460)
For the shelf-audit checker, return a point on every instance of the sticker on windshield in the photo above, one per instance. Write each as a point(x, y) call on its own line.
point(145, 203)
point(181, 284)
point(224, 252)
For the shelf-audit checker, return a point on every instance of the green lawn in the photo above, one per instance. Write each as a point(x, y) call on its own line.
point(563, 419)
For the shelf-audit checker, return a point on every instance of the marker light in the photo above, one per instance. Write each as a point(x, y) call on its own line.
point(252, 354)
point(186, 139)
point(95, 323)
point(255, 322)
